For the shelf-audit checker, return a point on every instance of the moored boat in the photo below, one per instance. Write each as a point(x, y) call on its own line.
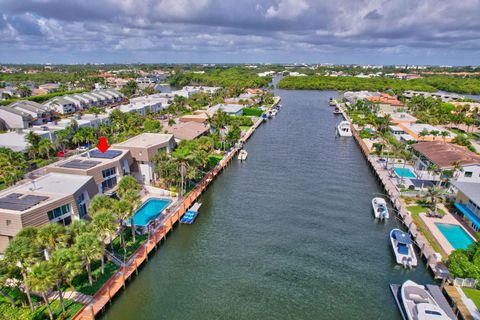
point(380, 208)
point(337, 110)
point(190, 216)
point(343, 129)
point(418, 304)
point(402, 246)
point(242, 155)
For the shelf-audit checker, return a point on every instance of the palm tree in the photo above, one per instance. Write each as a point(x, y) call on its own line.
point(407, 156)
point(444, 135)
point(6, 275)
point(123, 213)
point(33, 140)
point(433, 195)
point(89, 249)
point(52, 236)
point(424, 133)
point(434, 133)
point(12, 166)
point(457, 169)
point(23, 252)
point(104, 225)
point(44, 147)
point(127, 183)
point(432, 169)
point(77, 228)
point(42, 279)
point(101, 202)
point(67, 264)
point(134, 199)
point(24, 91)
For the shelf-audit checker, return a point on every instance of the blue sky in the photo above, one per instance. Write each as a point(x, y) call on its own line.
point(343, 31)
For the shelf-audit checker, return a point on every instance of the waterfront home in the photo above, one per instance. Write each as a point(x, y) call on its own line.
point(444, 156)
point(145, 105)
point(52, 198)
point(105, 168)
point(416, 132)
point(467, 202)
point(188, 130)
point(231, 109)
point(445, 97)
point(143, 148)
point(401, 117)
point(386, 103)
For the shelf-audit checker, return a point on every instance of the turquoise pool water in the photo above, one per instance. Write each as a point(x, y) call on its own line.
point(407, 173)
point(149, 211)
point(455, 234)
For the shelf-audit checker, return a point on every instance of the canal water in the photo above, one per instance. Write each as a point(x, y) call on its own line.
point(289, 234)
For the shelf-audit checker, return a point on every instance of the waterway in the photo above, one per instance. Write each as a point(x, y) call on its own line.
point(289, 234)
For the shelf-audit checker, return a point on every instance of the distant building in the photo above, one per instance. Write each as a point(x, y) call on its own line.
point(445, 97)
point(39, 113)
point(231, 109)
point(11, 118)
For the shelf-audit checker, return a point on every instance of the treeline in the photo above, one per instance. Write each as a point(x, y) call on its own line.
point(221, 77)
point(430, 84)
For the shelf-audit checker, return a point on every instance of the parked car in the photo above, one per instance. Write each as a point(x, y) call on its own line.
point(82, 148)
point(61, 154)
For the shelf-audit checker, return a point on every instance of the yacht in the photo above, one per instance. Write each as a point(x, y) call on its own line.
point(419, 304)
point(402, 246)
point(344, 129)
point(242, 155)
point(380, 208)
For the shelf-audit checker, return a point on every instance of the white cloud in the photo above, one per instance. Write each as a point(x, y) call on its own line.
point(287, 9)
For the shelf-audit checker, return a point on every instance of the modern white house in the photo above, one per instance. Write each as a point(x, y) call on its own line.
point(467, 202)
point(231, 109)
point(61, 105)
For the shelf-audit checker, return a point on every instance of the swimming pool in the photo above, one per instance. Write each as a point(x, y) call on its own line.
point(151, 209)
point(407, 173)
point(458, 238)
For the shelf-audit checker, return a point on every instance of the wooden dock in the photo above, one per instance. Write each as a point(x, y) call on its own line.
point(103, 297)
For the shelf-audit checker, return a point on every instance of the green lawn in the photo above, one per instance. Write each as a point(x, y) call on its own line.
point(244, 128)
point(80, 283)
point(131, 246)
point(416, 210)
point(473, 294)
point(419, 209)
point(24, 313)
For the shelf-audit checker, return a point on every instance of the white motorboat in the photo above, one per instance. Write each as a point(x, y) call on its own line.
point(242, 155)
point(419, 304)
point(402, 246)
point(380, 208)
point(343, 129)
point(274, 112)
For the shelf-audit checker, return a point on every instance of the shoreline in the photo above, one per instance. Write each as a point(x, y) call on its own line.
point(113, 286)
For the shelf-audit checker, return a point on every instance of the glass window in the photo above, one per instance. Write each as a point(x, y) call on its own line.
point(468, 174)
point(109, 172)
point(58, 212)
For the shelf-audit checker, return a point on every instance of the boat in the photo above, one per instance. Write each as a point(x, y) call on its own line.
point(419, 304)
point(343, 129)
point(380, 208)
point(332, 103)
point(402, 246)
point(192, 213)
point(337, 110)
point(242, 155)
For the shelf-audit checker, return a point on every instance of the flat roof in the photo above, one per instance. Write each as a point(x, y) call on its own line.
point(227, 107)
point(444, 154)
point(146, 140)
point(470, 189)
point(88, 160)
point(47, 188)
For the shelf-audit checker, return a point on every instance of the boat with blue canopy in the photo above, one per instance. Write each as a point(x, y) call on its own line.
point(190, 216)
point(402, 245)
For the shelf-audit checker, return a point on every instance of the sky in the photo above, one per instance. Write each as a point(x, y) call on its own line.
point(426, 32)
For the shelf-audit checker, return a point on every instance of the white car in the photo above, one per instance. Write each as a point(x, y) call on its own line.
point(82, 148)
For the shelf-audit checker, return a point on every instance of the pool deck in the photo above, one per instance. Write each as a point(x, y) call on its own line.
point(103, 297)
point(437, 234)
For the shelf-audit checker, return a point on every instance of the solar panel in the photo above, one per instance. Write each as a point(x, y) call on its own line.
point(422, 183)
point(79, 164)
point(109, 154)
point(20, 204)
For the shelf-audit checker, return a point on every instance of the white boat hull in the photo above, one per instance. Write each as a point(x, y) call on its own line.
point(408, 259)
point(380, 208)
point(419, 304)
point(344, 130)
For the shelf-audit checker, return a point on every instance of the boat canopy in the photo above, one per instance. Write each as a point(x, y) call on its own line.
point(402, 237)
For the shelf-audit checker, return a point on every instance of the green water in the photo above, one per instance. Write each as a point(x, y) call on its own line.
point(289, 234)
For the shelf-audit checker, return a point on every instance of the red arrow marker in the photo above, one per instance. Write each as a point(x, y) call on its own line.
point(103, 145)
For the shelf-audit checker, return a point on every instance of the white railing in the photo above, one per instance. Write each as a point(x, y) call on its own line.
point(468, 283)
